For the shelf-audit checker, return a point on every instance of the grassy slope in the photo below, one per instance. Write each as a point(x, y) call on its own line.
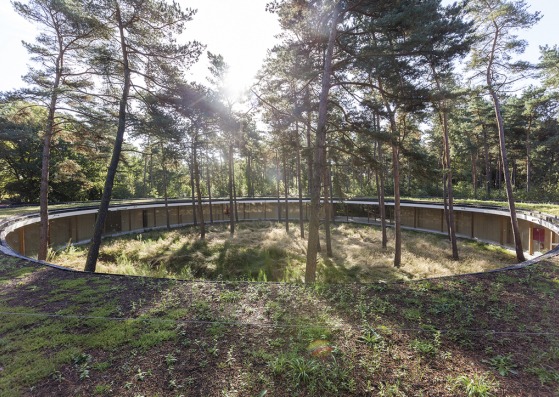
point(153, 337)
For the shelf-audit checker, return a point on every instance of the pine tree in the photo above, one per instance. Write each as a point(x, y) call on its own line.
point(492, 58)
point(139, 46)
point(66, 29)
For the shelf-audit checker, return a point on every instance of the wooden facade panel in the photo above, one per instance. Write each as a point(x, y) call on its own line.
point(408, 216)
point(84, 226)
point(463, 222)
point(60, 232)
point(160, 217)
point(16, 240)
point(524, 227)
point(136, 219)
point(430, 219)
point(31, 243)
point(256, 211)
point(489, 227)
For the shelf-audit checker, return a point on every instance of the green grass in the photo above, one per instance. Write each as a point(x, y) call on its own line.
point(30, 209)
point(547, 208)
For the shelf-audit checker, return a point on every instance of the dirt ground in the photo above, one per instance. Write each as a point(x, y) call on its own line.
point(73, 334)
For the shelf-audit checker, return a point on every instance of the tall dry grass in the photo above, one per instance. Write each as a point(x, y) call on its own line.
point(264, 251)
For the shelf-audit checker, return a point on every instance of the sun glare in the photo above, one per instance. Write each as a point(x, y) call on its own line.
point(239, 31)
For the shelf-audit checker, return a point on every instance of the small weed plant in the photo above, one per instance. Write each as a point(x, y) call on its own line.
point(502, 364)
point(476, 386)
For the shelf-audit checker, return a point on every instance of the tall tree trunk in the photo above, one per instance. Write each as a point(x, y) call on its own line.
point(514, 173)
point(380, 189)
point(278, 192)
point(235, 206)
point(396, 176)
point(250, 183)
point(286, 192)
point(443, 112)
point(499, 173)
point(504, 158)
point(198, 190)
point(474, 173)
point(508, 184)
point(445, 204)
point(208, 181)
point(451, 223)
point(44, 230)
point(528, 156)
point(150, 169)
point(93, 252)
point(165, 195)
point(193, 190)
point(327, 213)
point(319, 161)
point(299, 182)
point(309, 152)
point(397, 211)
point(380, 198)
point(145, 187)
point(231, 199)
point(330, 182)
point(487, 164)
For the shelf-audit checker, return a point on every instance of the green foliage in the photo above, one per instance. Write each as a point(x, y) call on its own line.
point(545, 375)
point(476, 386)
point(502, 364)
point(427, 347)
point(370, 337)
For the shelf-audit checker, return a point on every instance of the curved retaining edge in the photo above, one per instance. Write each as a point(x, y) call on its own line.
point(17, 221)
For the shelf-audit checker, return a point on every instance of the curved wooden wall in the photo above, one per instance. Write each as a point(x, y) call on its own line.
point(19, 235)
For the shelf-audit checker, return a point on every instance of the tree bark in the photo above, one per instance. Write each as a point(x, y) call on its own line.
point(235, 206)
point(504, 158)
point(451, 223)
point(286, 193)
point(487, 164)
point(193, 189)
point(396, 176)
point(327, 213)
point(397, 211)
point(508, 185)
point(198, 191)
point(231, 200)
point(93, 252)
point(474, 173)
point(44, 231)
point(148, 146)
point(445, 204)
point(278, 193)
point(528, 155)
point(319, 161)
point(309, 144)
point(443, 112)
point(208, 179)
point(380, 197)
point(380, 189)
point(299, 184)
point(165, 195)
